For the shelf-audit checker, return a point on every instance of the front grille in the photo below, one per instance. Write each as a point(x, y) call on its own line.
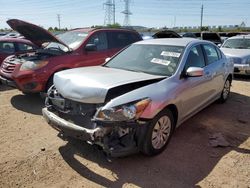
point(8, 67)
point(72, 111)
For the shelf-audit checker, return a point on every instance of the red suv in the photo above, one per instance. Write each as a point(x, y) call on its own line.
point(33, 72)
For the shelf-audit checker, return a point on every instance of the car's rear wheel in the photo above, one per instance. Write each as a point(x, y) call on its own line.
point(158, 133)
point(226, 91)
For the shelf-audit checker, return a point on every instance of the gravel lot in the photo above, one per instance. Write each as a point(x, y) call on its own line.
point(32, 155)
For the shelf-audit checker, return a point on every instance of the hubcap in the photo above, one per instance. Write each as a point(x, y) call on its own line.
point(226, 89)
point(161, 132)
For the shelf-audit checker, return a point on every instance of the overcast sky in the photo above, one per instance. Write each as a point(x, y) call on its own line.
point(150, 13)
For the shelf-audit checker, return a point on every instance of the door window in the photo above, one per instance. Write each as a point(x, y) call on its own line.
point(24, 47)
point(100, 40)
point(7, 47)
point(119, 39)
point(211, 53)
point(195, 58)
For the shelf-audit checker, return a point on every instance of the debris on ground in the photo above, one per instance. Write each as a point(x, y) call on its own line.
point(218, 140)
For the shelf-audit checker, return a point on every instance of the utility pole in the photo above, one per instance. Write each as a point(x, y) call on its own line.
point(127, 13)
point(109, 12)
point(114, 11)
point(201, 16)
point(59, 20)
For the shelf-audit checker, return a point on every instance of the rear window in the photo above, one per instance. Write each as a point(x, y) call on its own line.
point(210, 36)
point(121, 39)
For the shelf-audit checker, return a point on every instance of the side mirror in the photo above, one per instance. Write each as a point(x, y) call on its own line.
point(194, 72)
point(90, 47)
point(107, 59)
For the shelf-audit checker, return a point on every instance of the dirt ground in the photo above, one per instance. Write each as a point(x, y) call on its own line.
point(32, 155)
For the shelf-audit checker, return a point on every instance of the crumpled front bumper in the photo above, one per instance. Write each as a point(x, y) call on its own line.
point(71, 129)
point(241, 68)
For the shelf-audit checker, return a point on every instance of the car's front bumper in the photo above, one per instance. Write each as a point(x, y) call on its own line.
point(8, 82)
point(71, 129)
point(241, 68)
point(123, 146)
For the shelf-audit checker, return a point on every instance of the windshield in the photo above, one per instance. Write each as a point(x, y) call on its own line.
point(237, 43)
point(72, 38)
point(151, 59)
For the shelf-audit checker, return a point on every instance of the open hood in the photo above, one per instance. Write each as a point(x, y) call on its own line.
point(94, 84)
point(32, 32)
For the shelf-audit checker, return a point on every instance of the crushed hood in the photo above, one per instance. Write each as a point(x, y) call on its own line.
point(32, 32)
point(91, 84)
point(241, 53)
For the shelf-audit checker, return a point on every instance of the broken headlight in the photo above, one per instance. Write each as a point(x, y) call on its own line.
point(126, 112)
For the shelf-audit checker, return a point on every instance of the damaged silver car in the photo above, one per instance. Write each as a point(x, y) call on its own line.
point(137, 98)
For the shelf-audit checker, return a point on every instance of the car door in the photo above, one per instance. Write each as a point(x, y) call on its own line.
point(214, 69)
point(96, 56)
point(195, 91)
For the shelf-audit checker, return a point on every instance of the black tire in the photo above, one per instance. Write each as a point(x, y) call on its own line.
point(226, 91)
point(49, 83)
point(150, 146)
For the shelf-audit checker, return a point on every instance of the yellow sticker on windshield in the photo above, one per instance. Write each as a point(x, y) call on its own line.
point(160, 61)
point(170, 54)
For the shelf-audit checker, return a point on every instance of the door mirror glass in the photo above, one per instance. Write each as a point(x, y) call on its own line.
point(194, 72)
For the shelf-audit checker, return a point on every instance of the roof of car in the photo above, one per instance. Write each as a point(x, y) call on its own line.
point(240, 37)
point(169, 41)
point(88, 29)
point(10, 39)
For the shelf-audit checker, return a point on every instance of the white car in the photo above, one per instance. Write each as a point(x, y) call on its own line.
point(238, 48)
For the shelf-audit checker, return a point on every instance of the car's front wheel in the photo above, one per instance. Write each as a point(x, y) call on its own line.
point(158, 133)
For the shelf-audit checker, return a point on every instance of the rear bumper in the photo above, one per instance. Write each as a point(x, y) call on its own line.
point(71, 129)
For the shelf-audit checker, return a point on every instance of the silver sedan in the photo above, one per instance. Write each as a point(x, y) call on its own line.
point(238, 49)
point(137, 98)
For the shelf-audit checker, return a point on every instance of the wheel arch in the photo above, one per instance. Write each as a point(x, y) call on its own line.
point(174, 110)
point(52, 75)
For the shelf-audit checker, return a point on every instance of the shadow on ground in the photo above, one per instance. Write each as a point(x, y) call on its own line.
point(31, 103)
point(188, 158)
point(245, 78)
